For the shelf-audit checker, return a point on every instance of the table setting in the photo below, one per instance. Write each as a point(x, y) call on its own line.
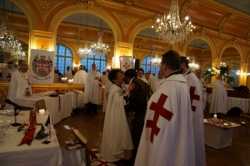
point(32, 143)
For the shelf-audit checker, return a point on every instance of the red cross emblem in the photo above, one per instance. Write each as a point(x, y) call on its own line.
point(193, 96)
point(159, 110)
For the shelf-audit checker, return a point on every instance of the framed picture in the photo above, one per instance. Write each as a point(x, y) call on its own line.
point(126, 62)
point(42, 66)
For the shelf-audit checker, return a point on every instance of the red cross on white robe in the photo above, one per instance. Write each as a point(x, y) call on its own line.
point(193, 97)
point(159, 111)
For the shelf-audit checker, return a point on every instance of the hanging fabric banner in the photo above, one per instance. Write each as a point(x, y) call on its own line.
point(41, 65)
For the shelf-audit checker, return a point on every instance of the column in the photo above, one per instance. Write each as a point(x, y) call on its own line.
point(121, 49)
point(41, 40)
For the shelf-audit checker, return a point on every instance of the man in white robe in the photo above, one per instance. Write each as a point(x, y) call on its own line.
point(93, 89)
point(106, 84)
point(219, 97)
point(167, 138)
point(68, 73)
point(196, 94)
point(19, 86)
point(80, 76)
point(116, 140)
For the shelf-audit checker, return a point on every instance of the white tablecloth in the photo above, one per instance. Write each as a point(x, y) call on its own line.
point(74, 157)
point(242, 103)
point(59, 107)
point(217, 137)
point(78, 98)
point(37, 154)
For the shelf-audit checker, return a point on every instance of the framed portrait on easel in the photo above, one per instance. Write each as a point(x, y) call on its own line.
point(126, 62)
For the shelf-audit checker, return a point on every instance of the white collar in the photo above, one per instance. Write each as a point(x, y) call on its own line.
point(187, 72)
point(175, 77)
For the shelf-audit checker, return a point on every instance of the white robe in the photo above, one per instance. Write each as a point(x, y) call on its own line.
point(80, 77)
point(93, 88)
point(68, 74)
point(106, 87)
point(173, 145)
point(152, 82)
point(18, 86)
point(116, 138)
point(219, 98)
point(197, 112)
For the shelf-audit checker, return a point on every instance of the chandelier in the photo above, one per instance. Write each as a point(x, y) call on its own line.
point(84, 51)
point(156, 61)
point(192, 64)
point(169, 26)
point(9, 43)
point(99, 46)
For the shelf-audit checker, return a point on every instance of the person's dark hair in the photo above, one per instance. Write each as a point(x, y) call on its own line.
point(141, 69)
point(130, 73)
point(184, 60)
point(81, 67)
point(171, 59)
point(113, 74)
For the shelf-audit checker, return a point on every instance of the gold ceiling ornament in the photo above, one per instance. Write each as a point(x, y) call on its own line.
point(170, 27)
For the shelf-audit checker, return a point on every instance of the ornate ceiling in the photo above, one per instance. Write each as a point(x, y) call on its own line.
point(242, 5)
point(216, 15)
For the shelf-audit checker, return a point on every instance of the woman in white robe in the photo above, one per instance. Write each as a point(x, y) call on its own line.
point(116, 140)
point(219, 97)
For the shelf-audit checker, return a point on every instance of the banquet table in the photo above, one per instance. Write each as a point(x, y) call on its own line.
point(59, 107)
point(219, 135)
point(242, 103)
point(36, 154)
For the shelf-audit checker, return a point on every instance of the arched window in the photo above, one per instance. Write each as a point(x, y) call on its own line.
point(148, 66)
point(63, 58)
point(98, 58)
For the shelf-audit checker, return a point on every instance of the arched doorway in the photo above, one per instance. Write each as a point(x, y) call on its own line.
point(200, 51)
point(148, 46)
point(81, 30)
point(231, 57)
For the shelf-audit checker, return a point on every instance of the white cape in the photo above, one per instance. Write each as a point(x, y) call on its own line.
point(80, 77)
point(219, 98)
point(116, 139)
point(18, 86)
point(197, 112)
point(173, 144)
point(93, 88)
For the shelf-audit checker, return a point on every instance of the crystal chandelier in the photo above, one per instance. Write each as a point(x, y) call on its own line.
point(9, 43)
point(156, 60)
point(169, 26)
point(99, 46)
point(192, 64)
point(84, 51)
